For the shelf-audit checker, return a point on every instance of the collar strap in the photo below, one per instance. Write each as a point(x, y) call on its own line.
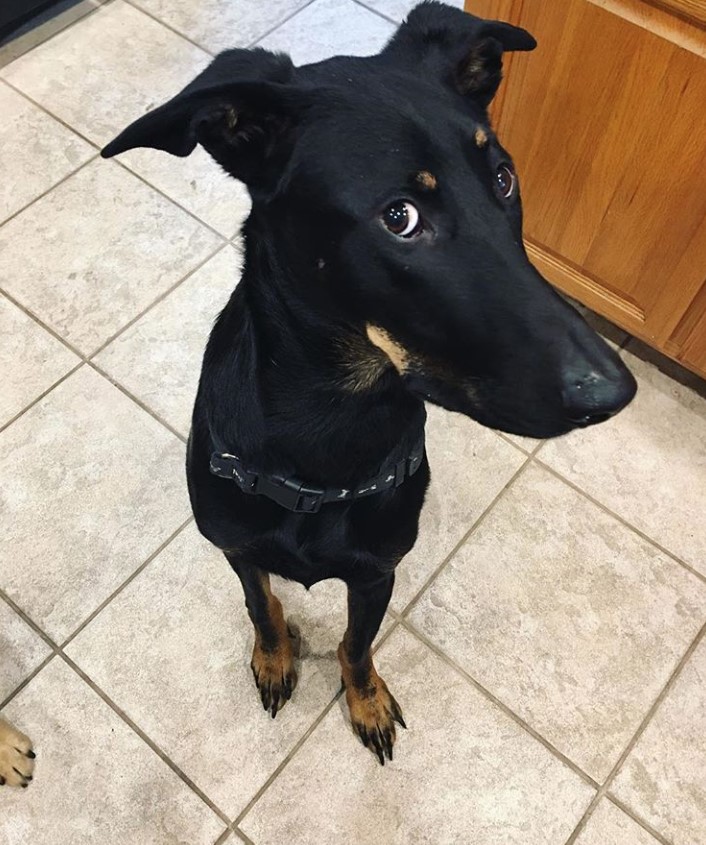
point(297, 496)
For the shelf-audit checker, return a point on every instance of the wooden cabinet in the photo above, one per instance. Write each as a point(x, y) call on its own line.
point(606, 120)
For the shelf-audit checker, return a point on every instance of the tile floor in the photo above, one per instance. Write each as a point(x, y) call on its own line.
point(546, 637)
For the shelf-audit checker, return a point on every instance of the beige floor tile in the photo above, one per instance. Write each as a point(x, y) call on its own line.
point(610, 826)
point(44, 26)
point(21, 650)
point(36, 152)
point(90, 485)
point(469, 467)
point(528, 444)
point(95, 779)
point(174, 651)
point(197, 183)
point(107, 70)
point(462, 773)
point(97, 250)
point(31, 360)
point(566, 616)
point(399, 9)
point(158, 359)
point(329, 28)
point(648, 464)
point(664, 778)
point(221, 24)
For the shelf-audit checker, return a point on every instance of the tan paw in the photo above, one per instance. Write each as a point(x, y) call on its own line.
point(374, 712)
point(274, 672)
point(16, 757)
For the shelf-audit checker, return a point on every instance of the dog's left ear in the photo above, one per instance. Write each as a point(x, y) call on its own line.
point(463, 50)
point(238, 109)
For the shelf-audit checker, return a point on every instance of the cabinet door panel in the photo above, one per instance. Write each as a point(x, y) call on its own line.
point(606, 121)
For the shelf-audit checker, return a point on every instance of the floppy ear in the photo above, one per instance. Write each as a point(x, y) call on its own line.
point(237, 109)
point(465, 51)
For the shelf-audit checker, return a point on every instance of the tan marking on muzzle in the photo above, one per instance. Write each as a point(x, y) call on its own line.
point(394, 351)
point(426, 179)
point(481, 137)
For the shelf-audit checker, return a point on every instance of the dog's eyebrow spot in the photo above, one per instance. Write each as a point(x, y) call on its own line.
point(481, 137)
point(394, 351)
point(426, 179)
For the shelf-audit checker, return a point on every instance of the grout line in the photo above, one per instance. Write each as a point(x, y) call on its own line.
point(379, 643)
point(125, 583)
point(583, 821)
point(162, 296)
point(223, 837)
point(538, 448)
point(145, 738)
point(116, 161)
point(44, 31)
point(29, 677)
point(284, 20)
point(157, 190)
point(44, 325)
point(636, 737)
point(28, 619)
point(284, 763)
point(135, 5)
point(54, 184)
point(638, 820)
point(506, 439)
point(502, 706)
point(239, 832)
point(88, 360)
point(622, 520)
point(138, 402)
point(378, 12)
point(305, 736)
point(41, 396)
point(52, 115)
point(475, 525)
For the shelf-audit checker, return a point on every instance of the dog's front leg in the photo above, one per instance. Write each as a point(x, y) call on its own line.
point(273, 655)
point(372, 707)
point(16, 756)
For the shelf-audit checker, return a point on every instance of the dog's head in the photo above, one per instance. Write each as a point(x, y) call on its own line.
point(397, 212)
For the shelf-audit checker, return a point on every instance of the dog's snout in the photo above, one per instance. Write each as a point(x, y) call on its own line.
point(591, 395)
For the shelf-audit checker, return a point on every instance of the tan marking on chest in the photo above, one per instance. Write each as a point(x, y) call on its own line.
point(394, 351)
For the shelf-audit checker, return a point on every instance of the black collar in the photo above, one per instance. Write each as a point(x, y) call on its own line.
point(297, 496)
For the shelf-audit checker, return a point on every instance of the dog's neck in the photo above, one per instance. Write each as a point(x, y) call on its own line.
point(292, 391)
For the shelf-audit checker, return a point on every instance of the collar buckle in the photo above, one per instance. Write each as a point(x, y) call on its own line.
point(291, 494)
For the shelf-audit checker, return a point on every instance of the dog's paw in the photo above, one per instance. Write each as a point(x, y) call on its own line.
point(374, 713)
point(16, 757)
point(274, 672)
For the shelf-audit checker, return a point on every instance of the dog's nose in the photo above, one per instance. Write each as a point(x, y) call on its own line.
point(591, 396)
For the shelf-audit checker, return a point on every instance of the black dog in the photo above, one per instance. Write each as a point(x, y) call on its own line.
point(384, 267)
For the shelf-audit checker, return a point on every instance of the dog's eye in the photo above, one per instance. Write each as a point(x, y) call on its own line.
point(505, 180)
point(402, 219)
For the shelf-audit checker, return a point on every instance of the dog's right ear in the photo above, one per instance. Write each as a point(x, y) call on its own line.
point(237, 109)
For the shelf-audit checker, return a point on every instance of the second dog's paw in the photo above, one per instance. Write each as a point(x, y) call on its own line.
point(16, 757)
